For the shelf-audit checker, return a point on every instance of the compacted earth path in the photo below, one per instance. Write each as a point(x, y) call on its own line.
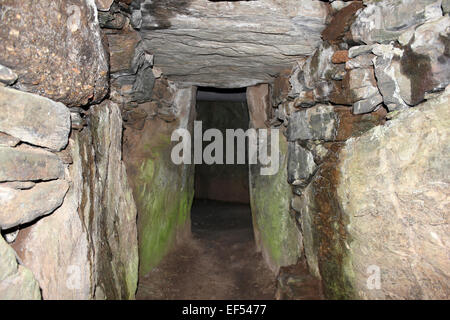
point(219, 261)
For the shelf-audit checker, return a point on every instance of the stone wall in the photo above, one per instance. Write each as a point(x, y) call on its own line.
point(361, 188)
point(163, 191)
point(362, 192)
point(67, 211)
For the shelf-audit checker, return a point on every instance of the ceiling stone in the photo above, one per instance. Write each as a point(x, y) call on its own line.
point(228, 44)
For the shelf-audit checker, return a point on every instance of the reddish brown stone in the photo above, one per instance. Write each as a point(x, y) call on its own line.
point(121, 48)
point(341, 22)
point(341, 92)
point(281, 86)
point(340, 56)
point(351, 125)
point(259, 105)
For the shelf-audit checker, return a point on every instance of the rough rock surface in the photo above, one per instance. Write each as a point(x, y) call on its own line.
point(55, 49)
point(26, 163)
point(405, 74)
point(229, 44)
point(391, 82)
point(23, 206)
point(385, 20)
point(396, 208)
point(363, 90)
point(301, 165)
point(16, 281)
point(87, 249)
point(34, 119)
point(380, 204)
point(316, 123)
point(258, 100)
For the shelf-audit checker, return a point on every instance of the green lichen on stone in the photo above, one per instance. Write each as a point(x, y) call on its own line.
point(164, 202)
point(270, 201)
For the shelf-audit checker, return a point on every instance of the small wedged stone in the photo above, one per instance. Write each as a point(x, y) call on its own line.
point(103, 5)
point(7, 76)
point(367, 105)
point(19, 207)
point(315, 123)
point(362, 84)
point(391, 82)
point(361, 61)
point(340, 56)
point(34, 119)
point(301, 165)
point(8, 141)
point(29, 164)
point(353, 52)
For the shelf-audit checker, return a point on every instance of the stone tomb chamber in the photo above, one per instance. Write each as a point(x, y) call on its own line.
point(197, 149)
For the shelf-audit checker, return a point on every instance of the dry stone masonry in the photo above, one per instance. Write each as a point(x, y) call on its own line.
point(91, 91)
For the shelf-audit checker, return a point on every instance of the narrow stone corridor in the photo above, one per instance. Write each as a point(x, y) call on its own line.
point(224, 149)
point(218, 262)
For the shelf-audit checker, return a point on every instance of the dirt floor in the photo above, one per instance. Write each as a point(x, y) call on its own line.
point(219, 262)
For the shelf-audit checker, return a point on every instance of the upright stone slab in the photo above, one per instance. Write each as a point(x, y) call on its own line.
point(163, 190)
point(276, 233)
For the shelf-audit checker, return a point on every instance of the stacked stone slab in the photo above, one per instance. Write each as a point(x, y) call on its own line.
point(32, 177)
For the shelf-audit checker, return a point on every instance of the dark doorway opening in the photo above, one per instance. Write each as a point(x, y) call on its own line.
point(221, 214)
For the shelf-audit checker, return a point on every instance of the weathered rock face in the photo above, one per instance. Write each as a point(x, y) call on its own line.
point(55, 49)
point(162, 190)
point(374, 219)
point(383, 21)
point(16, 281)
point(317, 123)
point(415, 61)
point(97, 256)
point(32, 179)
point(396, 208)
point(259, 108)
point(23, 206)
point(228, 44)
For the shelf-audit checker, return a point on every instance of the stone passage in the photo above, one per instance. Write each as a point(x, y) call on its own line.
point(219, 262)
point(93, 207)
